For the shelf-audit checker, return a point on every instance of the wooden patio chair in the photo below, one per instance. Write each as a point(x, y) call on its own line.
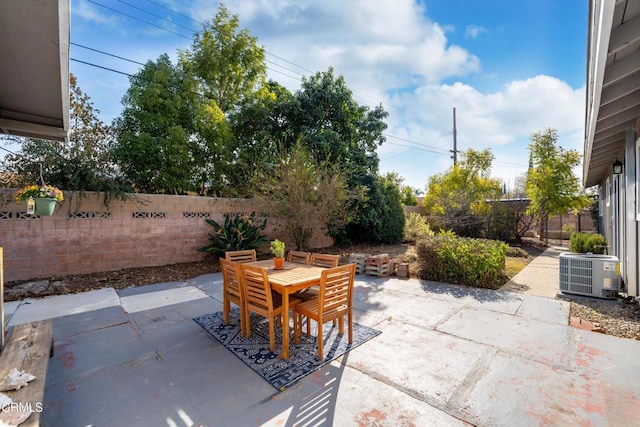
point(248, 255)
point(299, 257)
point(333, 303)
point(325, 260)
point(260, 300)
point(232, 292)
point(317, 260)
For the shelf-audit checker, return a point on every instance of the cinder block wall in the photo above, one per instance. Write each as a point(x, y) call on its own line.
point(86, 237)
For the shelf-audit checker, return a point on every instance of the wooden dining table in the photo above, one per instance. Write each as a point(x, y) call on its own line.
point(293, 278)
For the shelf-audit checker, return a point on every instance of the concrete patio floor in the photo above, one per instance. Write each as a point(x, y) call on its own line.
point(447, 355)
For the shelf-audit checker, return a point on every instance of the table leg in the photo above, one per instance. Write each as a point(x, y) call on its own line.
point(285, 323)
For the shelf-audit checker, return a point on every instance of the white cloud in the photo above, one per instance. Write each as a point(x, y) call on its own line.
point(474, 31)
point(86, 11)
point(502, 121)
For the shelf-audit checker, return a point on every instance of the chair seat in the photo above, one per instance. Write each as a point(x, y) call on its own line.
point(310, 308)
point(277, 303)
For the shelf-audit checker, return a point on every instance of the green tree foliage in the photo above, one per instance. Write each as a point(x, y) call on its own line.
point(459, 196)
point(262, 131)
point(83, 163)
point(378, 214)
point(227, 62)
point(409, 196)
point(155, 148)
point(552, 186)
point(230, 70)
point(334, 127)
point(305, 195)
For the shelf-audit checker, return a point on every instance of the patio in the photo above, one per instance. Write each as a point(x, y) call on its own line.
point(447, 355)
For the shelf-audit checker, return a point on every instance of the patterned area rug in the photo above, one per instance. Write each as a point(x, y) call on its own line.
point(303, 358)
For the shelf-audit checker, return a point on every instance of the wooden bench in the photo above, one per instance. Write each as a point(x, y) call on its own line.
point(28, 349)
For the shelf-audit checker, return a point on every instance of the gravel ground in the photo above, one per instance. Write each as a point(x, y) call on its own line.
point(620, 317)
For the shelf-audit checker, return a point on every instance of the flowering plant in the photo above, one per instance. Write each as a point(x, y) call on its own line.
point(37, 191)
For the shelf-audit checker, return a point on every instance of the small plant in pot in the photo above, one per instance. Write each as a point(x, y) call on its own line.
point(277, 249)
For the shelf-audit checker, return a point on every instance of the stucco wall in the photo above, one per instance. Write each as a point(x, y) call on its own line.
point(150, 231)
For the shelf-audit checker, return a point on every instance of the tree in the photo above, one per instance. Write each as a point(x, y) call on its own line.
point(378, 214)
point(262, 132)
point(155, 146)
point(460, 195)
point(228, 64)
point(82, 163)
point(334, 127)
point(305, 194)
point(230, 70)
point(552, 186)
point(408, 196)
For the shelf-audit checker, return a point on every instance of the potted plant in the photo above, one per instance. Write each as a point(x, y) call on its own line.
point(45, 198)
point(277, 249)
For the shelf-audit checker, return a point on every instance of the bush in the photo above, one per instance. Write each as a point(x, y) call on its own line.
point(587, 242)
point(416, 228)
point(239, 232)
point(465, 261)
point(515, 252)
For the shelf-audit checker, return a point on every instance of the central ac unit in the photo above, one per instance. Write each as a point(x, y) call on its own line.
point(589, 274)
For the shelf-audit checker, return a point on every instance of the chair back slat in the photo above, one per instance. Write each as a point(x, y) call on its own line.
point(256, 287)
point(248, 255)
point(325, 260)
point(336, 285)
point(230, 277)
point(299, 257)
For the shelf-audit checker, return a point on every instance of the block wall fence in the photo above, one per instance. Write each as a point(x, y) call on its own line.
point(84, 236)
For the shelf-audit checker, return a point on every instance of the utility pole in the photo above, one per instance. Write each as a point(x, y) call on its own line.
point(455, 141)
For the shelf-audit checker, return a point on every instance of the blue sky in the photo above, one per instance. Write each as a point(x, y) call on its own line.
point(509, 68)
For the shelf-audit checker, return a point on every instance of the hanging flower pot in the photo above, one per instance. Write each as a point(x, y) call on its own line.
point(45, 206)
point(45, 198)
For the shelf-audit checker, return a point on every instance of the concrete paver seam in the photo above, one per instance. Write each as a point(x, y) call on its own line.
point(478, 370)
point(518, 355)
point(411, 393)
point(448, 316)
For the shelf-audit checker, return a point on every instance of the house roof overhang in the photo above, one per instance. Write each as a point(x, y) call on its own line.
point(613, 84)
point(34, 76)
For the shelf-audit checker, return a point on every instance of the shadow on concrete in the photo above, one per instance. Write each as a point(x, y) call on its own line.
point(461, 291)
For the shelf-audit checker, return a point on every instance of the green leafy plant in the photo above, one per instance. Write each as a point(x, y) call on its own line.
point(277, 248)
point(239, 232)
point(37, 191)
point(465, 261)
point(587, 243)
point(417, 227)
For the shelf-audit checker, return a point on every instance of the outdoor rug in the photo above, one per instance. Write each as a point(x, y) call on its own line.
point(303, 358)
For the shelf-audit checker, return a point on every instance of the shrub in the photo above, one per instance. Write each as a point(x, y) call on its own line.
point(239, 232)
point(516, 252)
point(416, 228)
point(465, 261)
point(509, 221)
point(587, 242)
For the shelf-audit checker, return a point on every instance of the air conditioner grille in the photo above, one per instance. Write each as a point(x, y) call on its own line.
point(589, 274)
